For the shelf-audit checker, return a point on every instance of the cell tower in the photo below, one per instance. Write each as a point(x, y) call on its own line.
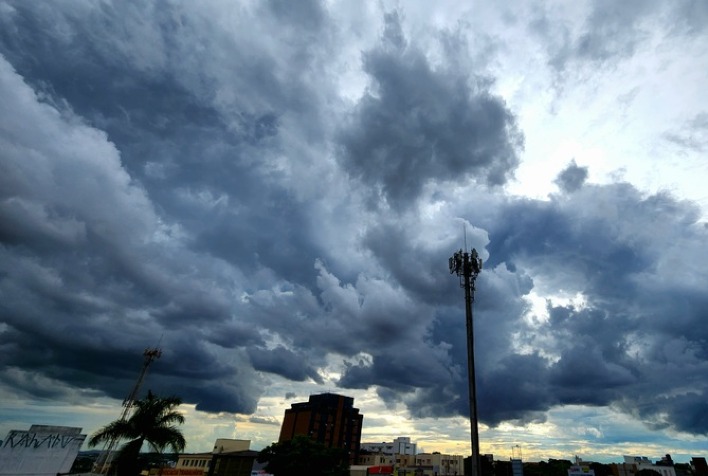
point(468, 266)
point(149, 355)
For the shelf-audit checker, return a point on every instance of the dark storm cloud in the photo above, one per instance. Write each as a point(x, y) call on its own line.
point(168, 179)
point(638, 323)
point(516, 389)
point(436, 367)
point(688, 412)
point(572, 177)
point(419, 124)
point(607, 244)
point(419, 367)
point(283, 362)
point(82, 238)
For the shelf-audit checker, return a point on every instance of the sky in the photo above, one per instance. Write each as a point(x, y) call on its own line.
point(269, 191)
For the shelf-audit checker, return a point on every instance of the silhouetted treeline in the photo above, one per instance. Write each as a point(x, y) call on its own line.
point(552, 467)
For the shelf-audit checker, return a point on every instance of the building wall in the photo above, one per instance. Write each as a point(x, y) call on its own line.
point(237, 463)
point(327, 418)
point(664, 470)
point(634, 464)
point(430, 463)
point(296, 421)
point(580, 470)
point(517, 467)
point(176, 472)
point(623, 469)
point(401, 445)
point(198, 464)
point(374, 459)
point(192, 464)
point(41, 451)
point(442, 464)
point(699, 466)
point(223, 445)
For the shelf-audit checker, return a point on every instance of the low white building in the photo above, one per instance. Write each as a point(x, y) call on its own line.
point(642, 462)
point(400, 446)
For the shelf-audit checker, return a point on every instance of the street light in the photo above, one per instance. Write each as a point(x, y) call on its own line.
point(468, 266)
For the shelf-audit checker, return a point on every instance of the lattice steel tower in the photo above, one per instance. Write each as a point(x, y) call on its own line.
point(104, 463)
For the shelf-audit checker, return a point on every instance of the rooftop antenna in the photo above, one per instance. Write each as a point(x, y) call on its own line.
point(467, 266)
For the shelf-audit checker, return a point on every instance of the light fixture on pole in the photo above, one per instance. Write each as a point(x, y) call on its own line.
point(468, 266)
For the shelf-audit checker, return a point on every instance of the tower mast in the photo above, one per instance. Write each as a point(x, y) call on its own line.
point(148, 356)
point(467, 266)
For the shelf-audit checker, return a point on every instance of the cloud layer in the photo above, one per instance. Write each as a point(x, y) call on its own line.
point(262, 189)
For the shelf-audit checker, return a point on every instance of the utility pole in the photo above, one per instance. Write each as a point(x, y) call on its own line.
point(467, 266)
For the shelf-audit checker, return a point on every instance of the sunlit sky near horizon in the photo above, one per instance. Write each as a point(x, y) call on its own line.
point(270, 191)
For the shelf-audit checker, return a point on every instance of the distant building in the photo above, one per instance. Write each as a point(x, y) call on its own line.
point(233, 463)
point(439, 464)
point(225, 445)
point(373, 459)
point(400, 446)
point(633, 464)
point(228, 458)
point(699, 466)
point(517, 467)
point(40, 451)
point(580, 469)
point(328, 418)
point(189, 464)
point(232, 458)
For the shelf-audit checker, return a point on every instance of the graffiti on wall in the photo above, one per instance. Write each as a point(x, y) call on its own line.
point(24, 439)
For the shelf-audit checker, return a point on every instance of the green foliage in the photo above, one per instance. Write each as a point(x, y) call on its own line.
point(301, 455)
point(601, 469)
point(153, 422)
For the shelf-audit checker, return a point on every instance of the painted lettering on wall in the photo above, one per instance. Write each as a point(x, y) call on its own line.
point(25, 439)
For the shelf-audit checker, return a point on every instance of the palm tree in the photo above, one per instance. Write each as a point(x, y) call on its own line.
point(153, 422)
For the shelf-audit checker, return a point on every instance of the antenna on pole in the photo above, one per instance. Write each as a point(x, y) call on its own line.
point(467, 266)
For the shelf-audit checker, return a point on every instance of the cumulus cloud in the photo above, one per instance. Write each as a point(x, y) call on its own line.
point(572, 177)
point(419, 123)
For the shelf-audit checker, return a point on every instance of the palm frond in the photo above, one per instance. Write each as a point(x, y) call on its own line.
point(119, 429)
point(153, 422)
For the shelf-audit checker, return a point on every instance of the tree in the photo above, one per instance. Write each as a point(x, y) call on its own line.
point(153, 422)
point(302, 455)
point(601, 469)
point(554, 467)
